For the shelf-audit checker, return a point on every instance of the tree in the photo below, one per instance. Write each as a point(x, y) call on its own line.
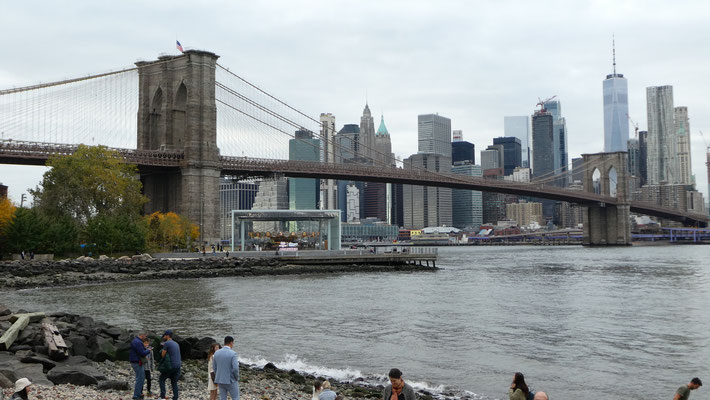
point(7, 213)
point(30, 230)
point(116, 233)
point(92, 181)
point(170, 230)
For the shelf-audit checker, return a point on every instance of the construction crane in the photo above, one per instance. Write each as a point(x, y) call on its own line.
point(636, 126)
point(541, 103)
point(706, 142)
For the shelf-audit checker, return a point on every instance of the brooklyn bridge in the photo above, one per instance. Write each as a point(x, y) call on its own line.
point(192, 121)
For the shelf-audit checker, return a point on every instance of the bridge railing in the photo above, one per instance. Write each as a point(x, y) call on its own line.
point(44, 151)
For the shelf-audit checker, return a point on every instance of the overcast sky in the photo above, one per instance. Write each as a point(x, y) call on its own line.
point(472, 61)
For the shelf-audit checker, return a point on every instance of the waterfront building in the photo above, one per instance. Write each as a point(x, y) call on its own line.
point(234, 195)
point(303, 193)
point(524, 213)
point(512, 154)
point(328, 186)
point(662, 156)
point(3, 191)
point(616, 111)
point(577, 170)
point(519, 127)
point(426, 205)
point(494, 203)
point(559, 142)
point(368, 230)
point(467, 205)
point(682, 130)
point(434, 134)
point(383, 146)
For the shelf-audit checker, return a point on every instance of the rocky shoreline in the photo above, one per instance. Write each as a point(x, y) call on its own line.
point(85, 270)
point(96, 365)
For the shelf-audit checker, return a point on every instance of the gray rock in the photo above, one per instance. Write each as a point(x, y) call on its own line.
point(103, 349)
point(80, 346)
point(114, 385)
point(112, 331)
point(4, 311)
point(5, 382)
point(34, 358)
point(33, 372)
point(83, 375)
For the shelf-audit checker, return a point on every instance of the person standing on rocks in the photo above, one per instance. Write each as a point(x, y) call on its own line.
point(398, 389)
point(22, 389)
point(225, 363)
point(211, 386)
point(135, 353)
point(171, 348)
point(148, 365)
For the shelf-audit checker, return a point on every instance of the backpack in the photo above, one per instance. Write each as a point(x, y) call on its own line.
point(531, 395)
point(166, 365)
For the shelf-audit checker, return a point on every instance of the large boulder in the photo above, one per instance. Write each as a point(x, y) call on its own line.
point(122, 349)
point(83, 375)
point(80, 346)
point(203, 346)
point(4, 311)
point(103, 349)
point(33, 372)
point(34, 358)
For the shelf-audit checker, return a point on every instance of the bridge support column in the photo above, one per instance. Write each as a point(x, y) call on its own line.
point(177, 111)
point(607, 224)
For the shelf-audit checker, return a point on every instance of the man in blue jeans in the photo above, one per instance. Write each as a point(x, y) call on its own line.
point(135, 353)
point(171, 348)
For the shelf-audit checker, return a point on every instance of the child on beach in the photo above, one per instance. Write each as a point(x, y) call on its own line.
point(317, 388)
point(148, 364)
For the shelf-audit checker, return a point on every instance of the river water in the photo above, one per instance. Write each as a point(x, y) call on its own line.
point(582, 323)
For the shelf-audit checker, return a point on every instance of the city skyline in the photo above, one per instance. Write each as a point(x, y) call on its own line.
point(404, 69)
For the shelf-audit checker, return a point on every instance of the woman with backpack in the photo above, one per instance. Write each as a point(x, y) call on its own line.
point(518, 389)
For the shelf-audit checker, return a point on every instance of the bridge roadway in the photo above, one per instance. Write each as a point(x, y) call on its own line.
point(37, 153)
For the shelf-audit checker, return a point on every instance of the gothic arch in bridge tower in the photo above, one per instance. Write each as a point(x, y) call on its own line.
point(154, 139)
point(607, 223)
point(179, 117)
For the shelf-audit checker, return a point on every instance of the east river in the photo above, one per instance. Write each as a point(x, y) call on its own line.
point(580, 323)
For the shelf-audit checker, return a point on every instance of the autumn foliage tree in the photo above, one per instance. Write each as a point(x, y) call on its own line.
point(170, 230)
point(7, 213)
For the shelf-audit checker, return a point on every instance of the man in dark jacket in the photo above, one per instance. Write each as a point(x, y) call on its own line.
point(135, 353)
point(398, 389)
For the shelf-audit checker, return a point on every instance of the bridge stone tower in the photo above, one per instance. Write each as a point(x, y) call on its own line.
point(607, 224)
point(177, 111)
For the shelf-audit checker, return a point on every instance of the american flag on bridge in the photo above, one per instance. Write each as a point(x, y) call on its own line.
point(179, 46)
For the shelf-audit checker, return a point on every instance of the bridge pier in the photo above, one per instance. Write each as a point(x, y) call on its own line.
point(607, 224)
point(177, 111)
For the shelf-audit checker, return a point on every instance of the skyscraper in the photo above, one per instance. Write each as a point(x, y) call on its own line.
point(512, 155)
point(328, 199)
point(662, 157)
point(367, 134)
point(461, 150)
point(303, 193)
point(542, 144)
point(519, 127)
point(643, 157)
point(616, 110)
point(682, 130)
point(559, 142)
point(434, 132)
point(467, 205)
point(426, 205)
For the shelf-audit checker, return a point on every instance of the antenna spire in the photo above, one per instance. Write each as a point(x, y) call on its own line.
point(613, 52)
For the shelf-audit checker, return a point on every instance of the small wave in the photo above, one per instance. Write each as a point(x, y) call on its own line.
point(292, 361)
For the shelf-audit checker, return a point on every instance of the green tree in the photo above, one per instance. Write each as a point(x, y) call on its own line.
point(92, 181)
point(116, 233)
point(30, 230)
